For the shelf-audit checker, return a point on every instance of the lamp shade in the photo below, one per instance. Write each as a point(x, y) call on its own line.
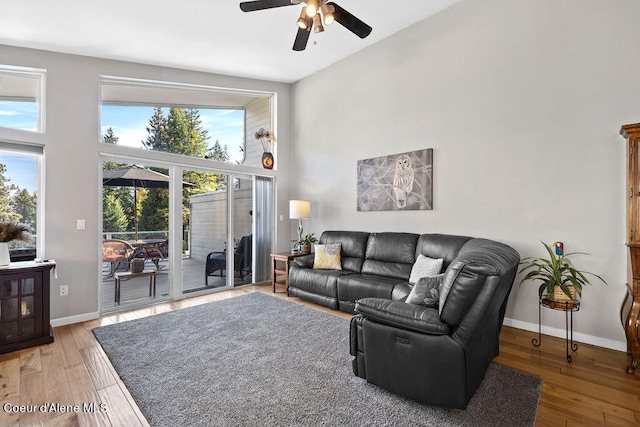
point(299, 209)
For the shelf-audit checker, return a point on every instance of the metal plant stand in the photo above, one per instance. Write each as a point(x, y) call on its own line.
point(568, 307)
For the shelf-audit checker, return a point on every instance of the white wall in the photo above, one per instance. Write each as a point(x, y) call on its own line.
point(72, 148)
point(522, 102)
point(208, 220)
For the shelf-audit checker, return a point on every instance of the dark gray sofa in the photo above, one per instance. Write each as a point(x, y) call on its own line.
point(373, 265)
point(434, 355)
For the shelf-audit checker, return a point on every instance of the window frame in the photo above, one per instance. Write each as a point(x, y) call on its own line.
point(40, 76)
point(38, 152)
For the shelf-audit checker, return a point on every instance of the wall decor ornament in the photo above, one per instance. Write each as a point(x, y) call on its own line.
point(396, 182)
point(268, 140)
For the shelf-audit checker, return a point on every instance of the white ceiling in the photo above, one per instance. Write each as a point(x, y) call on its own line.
point(212, 36)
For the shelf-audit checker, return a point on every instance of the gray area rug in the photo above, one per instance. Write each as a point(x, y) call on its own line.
point(255, 360)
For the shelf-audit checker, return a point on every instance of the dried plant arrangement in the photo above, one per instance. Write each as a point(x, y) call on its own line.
point(10, 231)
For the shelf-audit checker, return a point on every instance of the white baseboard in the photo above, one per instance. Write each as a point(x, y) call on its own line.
point(74, 319)
point(561, 333)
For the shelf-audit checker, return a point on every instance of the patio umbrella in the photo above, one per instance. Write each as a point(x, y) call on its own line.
point(136, 177)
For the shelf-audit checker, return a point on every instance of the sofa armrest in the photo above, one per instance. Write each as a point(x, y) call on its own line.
point(413, 317)
point(305, 261)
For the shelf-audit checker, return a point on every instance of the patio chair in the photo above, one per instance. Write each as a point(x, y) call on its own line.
point(154, 253)
point(163, 247)
point(115, 252)
point(217, 261)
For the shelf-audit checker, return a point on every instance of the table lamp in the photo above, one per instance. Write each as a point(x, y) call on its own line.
point(299, 209)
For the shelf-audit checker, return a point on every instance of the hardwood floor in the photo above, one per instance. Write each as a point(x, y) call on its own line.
point(73, 370)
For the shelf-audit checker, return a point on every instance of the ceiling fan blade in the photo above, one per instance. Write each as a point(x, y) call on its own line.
point(250, 6)
point(302, 37)
point(350, 22)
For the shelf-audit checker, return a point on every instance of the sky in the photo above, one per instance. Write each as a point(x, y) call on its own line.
point(19, 115)
point(129, 125)
point(21, 168)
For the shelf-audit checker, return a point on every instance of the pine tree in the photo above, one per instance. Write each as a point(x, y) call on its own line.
point(124, 195)
point(181, 132)
point(157, 138)
point(25, 205)
point(7, 213)
point(114, 217)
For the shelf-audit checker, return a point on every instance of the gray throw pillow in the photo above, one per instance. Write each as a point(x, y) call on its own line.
point(425, 266)
point(426, 291)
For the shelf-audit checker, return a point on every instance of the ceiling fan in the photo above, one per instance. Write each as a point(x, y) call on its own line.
point(314, 13)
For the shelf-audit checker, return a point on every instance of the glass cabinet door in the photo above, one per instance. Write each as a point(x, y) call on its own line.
point(19, 301)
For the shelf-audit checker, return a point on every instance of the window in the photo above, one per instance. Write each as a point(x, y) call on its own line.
point(195, 121)
point(19, 194)
point(197, 132)
point(21, 98)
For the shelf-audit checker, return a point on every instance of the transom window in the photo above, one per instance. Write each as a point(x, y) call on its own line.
point(191, 120)
point(21, 98)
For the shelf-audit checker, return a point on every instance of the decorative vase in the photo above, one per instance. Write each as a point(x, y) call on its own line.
point(4, 254)
point(305, 248)
point(267, 160)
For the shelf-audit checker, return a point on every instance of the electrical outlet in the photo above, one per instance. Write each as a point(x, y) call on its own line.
point(64, 290)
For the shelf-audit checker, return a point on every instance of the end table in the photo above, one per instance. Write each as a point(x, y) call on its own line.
point(283, 270)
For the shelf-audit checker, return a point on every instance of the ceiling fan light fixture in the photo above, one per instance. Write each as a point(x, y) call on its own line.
point(327, 13)
point(317, 22)
point(312, 8)
point(302, 21)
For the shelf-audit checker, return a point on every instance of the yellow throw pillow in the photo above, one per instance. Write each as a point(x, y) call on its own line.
point(328, 256)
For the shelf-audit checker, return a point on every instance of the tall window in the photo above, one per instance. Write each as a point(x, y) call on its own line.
point(21, 98)
point(19, 195)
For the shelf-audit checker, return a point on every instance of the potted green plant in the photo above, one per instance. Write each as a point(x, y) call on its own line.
point(306, 242)
point(560, 281)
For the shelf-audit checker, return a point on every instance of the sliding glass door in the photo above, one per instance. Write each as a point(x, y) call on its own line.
point(198, 230)
point(135, 234)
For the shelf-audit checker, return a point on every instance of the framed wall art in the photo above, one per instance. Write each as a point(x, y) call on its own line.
point(396, 182)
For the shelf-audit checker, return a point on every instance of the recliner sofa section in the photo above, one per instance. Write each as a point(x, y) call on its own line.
point(438, 355)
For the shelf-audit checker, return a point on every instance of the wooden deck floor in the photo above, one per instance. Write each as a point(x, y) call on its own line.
point(593, 390)
point(135, 292)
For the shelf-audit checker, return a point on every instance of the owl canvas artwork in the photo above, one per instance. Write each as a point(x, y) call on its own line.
point(396, 182)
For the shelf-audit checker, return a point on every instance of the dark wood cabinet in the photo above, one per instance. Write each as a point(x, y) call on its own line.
point(632, 323)
point(24, 305)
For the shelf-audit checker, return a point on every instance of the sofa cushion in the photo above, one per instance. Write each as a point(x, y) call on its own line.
point(390, 255)
point(354, 245)
point(425, 267)
point(426, 291)
point(327, 256)
point(406, 316)
point(321, 282)
point(355, 286)
point(442, 246)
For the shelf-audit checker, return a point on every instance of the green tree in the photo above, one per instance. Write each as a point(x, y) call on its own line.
point(180, 132)
point(155, 208)
point(25, 204)
point(7, 214)
point(111, 138)
point(114, 217)
point(157, 138)
point(124, 195)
